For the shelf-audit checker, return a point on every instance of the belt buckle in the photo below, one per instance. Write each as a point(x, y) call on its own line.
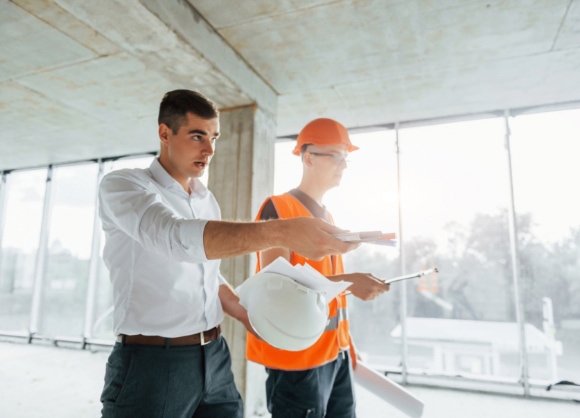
point(202, 338)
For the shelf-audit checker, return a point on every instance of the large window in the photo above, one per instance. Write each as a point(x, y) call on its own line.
point(21, 220)
point(53, 284)
point(456, 209)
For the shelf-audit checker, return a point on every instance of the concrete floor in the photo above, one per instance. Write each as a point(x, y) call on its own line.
point(45, 381)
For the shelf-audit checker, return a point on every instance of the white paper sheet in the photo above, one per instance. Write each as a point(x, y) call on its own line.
point(373, 237)
point(307, 276)
point(389, 391)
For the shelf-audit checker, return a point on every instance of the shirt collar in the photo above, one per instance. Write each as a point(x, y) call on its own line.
point(162, 177)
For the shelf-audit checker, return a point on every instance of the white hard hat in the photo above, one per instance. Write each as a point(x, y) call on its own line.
point(284, 313)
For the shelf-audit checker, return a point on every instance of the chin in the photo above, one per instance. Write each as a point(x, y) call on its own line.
point(197, 171)
point(197, 174)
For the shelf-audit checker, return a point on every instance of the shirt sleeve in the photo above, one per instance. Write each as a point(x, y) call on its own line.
point(134, 207)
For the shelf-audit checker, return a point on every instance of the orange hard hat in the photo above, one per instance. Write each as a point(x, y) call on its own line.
point(322, 132)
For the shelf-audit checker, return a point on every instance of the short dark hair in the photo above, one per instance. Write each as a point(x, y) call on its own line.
point(177, 103)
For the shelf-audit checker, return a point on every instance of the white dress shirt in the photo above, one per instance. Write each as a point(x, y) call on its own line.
point(163, 283)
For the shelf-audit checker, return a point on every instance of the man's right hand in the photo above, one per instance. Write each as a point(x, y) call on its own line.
point(313, 237)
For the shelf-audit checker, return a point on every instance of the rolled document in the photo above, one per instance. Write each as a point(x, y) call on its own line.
point(388, 390)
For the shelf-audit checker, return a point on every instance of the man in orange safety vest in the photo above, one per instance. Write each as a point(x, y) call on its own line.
point(317, 381)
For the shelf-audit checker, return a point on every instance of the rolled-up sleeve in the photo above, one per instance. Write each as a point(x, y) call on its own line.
point(191, 238)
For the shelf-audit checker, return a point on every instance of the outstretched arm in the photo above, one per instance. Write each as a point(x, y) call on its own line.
point(310, 237)
point(128, 203)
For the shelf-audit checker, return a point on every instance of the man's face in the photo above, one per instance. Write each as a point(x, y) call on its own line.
point(187, 153)
point(328, 162)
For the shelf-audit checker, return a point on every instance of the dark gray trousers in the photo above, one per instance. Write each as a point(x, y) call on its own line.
point(323, 392)
point(177, 382)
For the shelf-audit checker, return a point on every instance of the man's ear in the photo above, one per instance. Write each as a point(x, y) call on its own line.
point(164, 132)
point(307, 159)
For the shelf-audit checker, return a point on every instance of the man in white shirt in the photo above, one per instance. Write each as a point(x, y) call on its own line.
point(164, 240)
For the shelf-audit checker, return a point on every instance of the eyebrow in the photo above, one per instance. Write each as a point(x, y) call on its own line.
point(201, 132)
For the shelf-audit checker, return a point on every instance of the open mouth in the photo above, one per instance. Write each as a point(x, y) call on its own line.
point(201, 164)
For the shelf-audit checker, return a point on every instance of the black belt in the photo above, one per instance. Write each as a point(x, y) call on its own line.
point(202, 338)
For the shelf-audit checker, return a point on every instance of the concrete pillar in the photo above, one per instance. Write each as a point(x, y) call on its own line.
point(241, 176)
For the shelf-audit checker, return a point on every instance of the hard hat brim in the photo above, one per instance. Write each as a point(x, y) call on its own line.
point(298, 149)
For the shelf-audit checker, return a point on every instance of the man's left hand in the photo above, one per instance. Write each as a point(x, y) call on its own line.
point(364, 286)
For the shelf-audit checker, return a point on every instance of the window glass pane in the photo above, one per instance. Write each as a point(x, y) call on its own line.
point(545, 150)
point(287, 168)
point(69, 250)
point(454, 202)
point(102, 327)
point(24, 200)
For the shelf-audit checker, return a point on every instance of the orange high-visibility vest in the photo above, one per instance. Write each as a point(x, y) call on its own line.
point(335, 338)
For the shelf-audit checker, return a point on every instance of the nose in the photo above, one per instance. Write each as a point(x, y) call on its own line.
point(208, 149)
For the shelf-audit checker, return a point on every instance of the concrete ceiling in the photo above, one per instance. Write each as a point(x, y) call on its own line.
point(83, 79)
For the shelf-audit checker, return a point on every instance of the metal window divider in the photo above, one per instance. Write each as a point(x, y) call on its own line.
point(403, 285)
point(524, 366)
point(3, 178)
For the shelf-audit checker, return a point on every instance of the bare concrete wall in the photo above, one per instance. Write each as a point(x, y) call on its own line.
point(241, 176)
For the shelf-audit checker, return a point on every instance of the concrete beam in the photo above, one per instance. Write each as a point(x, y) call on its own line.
point(181, 17)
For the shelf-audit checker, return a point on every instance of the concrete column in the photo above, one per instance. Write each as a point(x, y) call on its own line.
point(241, 176)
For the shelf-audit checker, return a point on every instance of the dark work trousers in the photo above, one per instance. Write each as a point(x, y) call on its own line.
point(325, 391)
point(175, 382)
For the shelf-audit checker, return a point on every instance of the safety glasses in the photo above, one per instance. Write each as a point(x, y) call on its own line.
point(336, 157)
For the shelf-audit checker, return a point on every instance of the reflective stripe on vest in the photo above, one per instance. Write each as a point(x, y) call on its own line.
point(334, 320)
point(336, 336)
